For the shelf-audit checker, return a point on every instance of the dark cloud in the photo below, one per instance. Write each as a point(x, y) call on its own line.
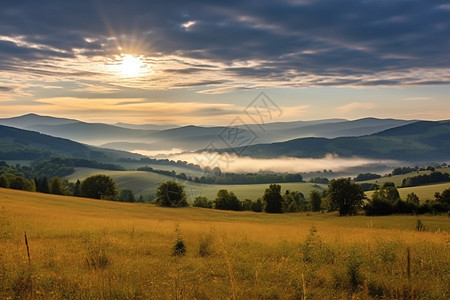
point(6, 89)
point(317, 37)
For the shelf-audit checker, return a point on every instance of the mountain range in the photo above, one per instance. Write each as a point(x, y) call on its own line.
point(129, 137)
point(406, 140)
point(419, 141)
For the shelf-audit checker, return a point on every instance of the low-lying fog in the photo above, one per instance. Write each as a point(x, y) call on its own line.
point(238, 164)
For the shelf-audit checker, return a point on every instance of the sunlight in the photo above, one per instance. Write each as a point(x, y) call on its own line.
point(131, 66)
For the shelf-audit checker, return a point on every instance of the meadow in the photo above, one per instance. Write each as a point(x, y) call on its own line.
point(91, 249)
point(146, 183)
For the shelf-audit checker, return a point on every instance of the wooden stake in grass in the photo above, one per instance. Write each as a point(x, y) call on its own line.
point(304, 287)
point(28, 248)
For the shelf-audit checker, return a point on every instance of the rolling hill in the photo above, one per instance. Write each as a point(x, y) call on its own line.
point(418, 141)
point(19, 144)
point(160, 138)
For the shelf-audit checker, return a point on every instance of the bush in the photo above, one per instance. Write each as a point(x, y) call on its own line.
point(179, 248)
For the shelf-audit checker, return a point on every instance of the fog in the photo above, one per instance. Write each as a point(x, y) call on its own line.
point(236, 164)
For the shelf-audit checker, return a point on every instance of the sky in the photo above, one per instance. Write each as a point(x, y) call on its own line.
point(210, 62)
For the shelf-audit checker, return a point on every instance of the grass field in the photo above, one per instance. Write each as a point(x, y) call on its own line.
point(397, 179)
point(146, 183)
point(91, 249)
point(424, 192)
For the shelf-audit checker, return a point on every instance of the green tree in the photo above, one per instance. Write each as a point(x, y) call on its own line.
point(294, 202)
point(171, 194)
point(42, 185)
point(4, 181)
point(247, 204)
point(77, 189)
point(257, 206)
point(413, 199)
point(346, 195)
point(315, 200)
point(126, 195)
point(21, 183)
point(227, 201)
point(56, 186)
point(99, 187)
point(273, 199)
point(201, 201)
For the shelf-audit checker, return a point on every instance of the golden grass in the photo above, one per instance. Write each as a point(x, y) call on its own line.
point(91, 249)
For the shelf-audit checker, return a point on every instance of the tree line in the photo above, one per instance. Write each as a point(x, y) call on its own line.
point(215, 176)
point(343, 195)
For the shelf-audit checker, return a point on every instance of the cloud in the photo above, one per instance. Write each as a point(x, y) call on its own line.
point(6, 89)
point(237, 164)
point(300, 43)
point(140, 110)
point(417, 99)
point(356, 106)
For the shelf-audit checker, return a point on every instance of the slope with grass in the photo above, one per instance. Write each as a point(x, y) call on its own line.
point(398, 179)
point(418, 141)
point(146, 183)
point(92, 249)
point(424, 192)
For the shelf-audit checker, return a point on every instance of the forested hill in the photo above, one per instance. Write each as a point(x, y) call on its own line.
point(18, 144)
point(418, 141)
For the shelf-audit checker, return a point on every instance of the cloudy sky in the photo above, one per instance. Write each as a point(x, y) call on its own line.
point(204, 62)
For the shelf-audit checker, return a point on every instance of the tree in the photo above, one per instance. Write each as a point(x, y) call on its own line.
point(77, 189)
point(443, 200)
point(258, 205)
point(21, 183)
point(4, 181)
point(315, 200)
point(227, 201)
point(56, 186)
point(346, 195)
point(99, 187)
point(202, 202)
point(171, 194)
point(413, 199)
point(273, 199)
point(126, 196)
point(294, 202)
point(367, 176)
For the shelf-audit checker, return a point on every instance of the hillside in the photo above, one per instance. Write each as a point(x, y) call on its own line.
point(418, 141)
point(146, 183)
point(161, 138)
point(84, 248)
point(18, 144)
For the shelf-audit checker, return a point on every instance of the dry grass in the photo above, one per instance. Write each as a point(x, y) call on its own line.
point(90, 249)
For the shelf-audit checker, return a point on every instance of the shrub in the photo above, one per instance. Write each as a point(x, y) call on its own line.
point(179, 248)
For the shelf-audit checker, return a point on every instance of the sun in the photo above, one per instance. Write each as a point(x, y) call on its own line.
point(130, 66)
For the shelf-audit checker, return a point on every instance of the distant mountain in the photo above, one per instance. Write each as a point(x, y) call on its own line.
point(19, 144)
point(128, 137)
point(145, 126)
point(418, 141)
point(28, 120)
point(92, 133)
